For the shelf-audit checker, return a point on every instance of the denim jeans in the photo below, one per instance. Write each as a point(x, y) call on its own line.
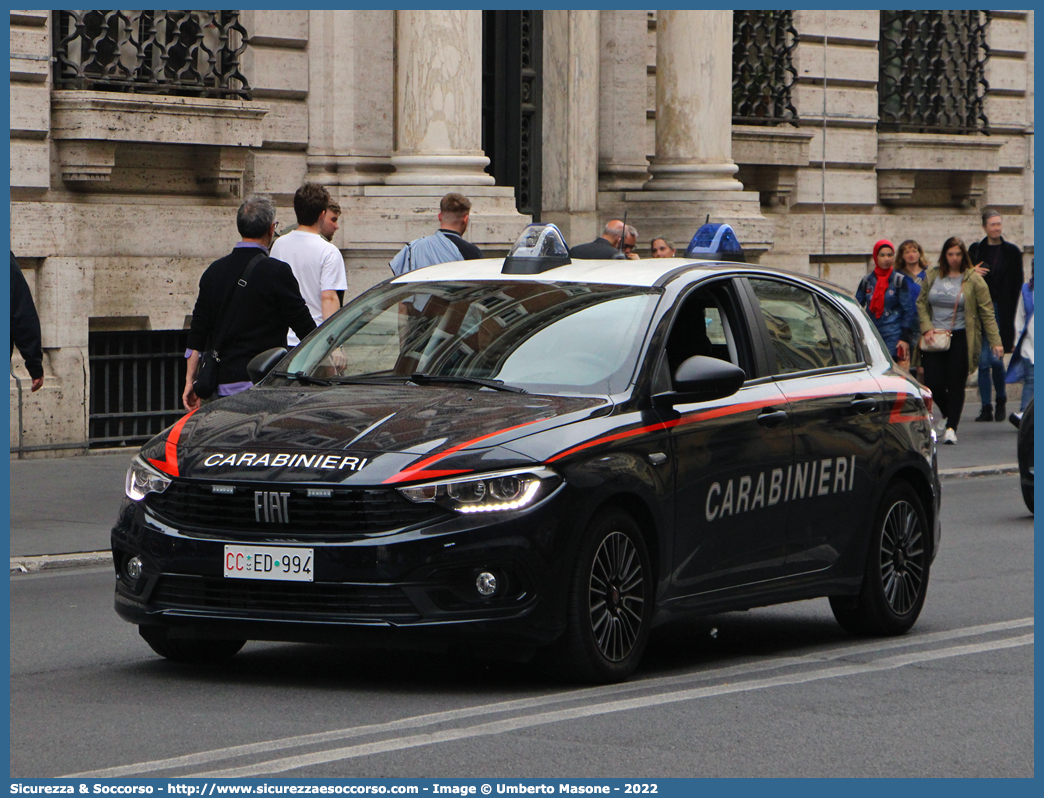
point(1027, 384)
point(990, 362)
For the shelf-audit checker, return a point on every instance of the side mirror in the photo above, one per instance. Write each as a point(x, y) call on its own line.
point(260, 365)
point(702, 379)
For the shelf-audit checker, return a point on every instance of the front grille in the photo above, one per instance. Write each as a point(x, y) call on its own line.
point(347, 514)
point(366, 602)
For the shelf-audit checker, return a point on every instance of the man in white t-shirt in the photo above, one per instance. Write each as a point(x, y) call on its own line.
point(317, 264)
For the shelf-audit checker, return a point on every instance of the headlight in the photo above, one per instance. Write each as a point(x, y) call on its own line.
point(143, 479)
point(502, 491)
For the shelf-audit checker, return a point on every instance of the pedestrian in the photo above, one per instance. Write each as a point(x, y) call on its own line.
point(1021, 365)
point(1000, 264)
point(445, 245)
point(25, 326)
point(662, 248)
point(914, 265)
point(331, 221)
point(246, 302)
point(607, 245)
point(954, 303)
point(885, 295)
point(317, 264)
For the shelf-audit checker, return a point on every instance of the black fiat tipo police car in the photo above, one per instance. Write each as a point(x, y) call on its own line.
point(542, 456)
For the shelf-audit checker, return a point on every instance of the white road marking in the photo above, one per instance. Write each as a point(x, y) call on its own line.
point(434, 719)
point(626, 705)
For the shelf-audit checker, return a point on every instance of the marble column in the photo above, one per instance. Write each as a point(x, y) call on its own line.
point(439, 100)
point(351, 76)
point(693, 103)
point(623, 99)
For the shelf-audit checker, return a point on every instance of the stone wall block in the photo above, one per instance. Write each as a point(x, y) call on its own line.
point(162, 289)
point(1006, 74)
point(29, 70)
point(277, 174)
point(286, 125)
point(1005, 190)
point(1006, 113)
point(843, 62)
point(276, 72)
point(63, 283)
point(30, 164)
point(843, 187)
point(1008, 36)
point(30, 111)
point(844, 105)
point(32, 19)
point(31, 40)
point(57, 413)
point(848, 24)
point(844, 146)
point(286, 29)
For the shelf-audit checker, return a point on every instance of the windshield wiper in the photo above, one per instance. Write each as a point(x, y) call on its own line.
point(498, 385)
point(302, 378)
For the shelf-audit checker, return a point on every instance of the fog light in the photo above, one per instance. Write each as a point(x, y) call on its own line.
point(133, 569)
point(486, 584)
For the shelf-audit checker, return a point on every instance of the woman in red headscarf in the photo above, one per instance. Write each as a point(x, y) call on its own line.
point(885, 295)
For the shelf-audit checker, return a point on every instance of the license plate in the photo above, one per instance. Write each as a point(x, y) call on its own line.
point(267, 562)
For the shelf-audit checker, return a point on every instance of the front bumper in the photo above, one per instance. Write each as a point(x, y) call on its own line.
point(418, 581)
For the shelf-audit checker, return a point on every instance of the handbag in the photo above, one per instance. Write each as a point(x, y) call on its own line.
point(941, 338)
point(205, 383)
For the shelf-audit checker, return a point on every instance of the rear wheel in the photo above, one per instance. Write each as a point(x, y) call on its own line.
point(895, 578)
point(195, 650)
point(1025, 454)
point(610, 602)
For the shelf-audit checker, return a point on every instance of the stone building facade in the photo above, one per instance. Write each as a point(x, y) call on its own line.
point(813, 133)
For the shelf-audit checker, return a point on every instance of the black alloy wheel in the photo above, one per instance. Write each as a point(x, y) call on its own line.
point(895, 579)
point(610, 603)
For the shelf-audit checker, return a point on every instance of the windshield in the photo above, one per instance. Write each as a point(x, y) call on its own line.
point(543, 338)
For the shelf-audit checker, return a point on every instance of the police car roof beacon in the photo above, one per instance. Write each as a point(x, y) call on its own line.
point(539, 248)
point(718, 240)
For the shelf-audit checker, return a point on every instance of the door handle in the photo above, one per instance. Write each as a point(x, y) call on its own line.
point(864, 404)
point(772, 418)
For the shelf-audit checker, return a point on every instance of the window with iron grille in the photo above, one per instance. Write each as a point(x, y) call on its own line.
point(137, 378)
point(181, 53)
point(933, 72)
point(763, 70)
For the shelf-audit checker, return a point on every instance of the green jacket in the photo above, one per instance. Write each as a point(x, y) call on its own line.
point(978, 312)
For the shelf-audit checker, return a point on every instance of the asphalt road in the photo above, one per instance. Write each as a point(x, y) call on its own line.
point(773, 692)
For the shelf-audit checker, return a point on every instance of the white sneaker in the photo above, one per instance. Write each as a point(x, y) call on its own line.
point(940, 426)
point(949, 436)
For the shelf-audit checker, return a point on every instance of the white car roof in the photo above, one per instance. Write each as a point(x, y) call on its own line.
point(607, 272)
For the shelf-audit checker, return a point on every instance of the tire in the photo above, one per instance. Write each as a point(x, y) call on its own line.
point(1025, 455)
point(895, 578)
point(610, 603)
point(196, 651)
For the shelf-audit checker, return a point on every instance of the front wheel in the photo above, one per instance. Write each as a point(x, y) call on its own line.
point(195, 650)
point(895, 578)
point(610, 602)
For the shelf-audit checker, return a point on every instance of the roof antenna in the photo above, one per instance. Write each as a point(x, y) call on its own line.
point(707, 220)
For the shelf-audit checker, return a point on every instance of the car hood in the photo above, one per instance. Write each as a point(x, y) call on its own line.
point(358, 433)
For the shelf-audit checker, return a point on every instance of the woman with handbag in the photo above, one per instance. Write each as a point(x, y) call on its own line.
point(885, 294)
point(954, 308)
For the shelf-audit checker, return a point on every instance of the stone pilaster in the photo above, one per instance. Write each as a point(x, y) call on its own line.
point(570, 146)
point(693, 103)
point(622, 157)
point(439, 97)
point(351, 78)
